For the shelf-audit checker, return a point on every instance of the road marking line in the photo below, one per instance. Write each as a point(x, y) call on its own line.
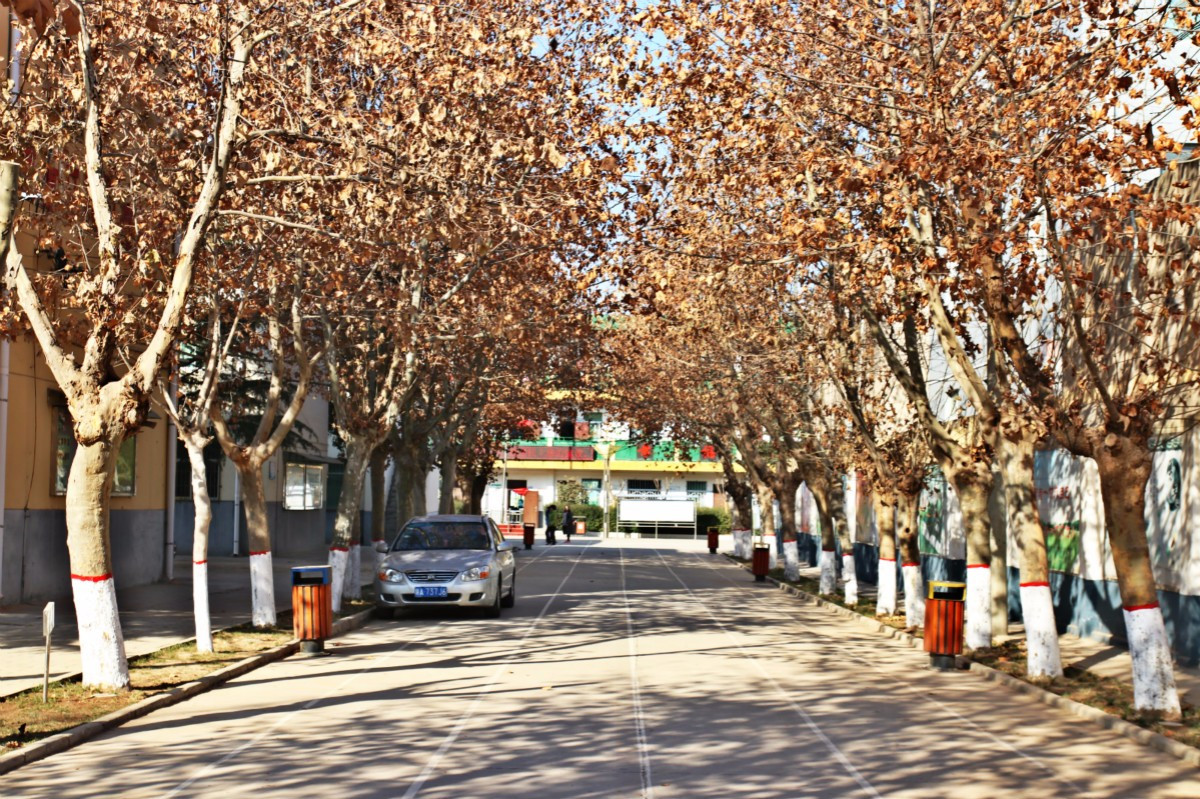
point(639, 721)
point(373, 664)
point(467, 714)
point(866, 786)
point(1079, 790)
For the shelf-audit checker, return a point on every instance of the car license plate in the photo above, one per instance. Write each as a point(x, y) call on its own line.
point(429, 592)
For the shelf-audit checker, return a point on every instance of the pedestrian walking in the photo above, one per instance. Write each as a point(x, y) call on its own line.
point(550, 524)
point(568, 523)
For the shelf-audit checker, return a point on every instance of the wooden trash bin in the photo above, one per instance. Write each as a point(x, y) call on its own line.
point(760, 562)
point(944, 622)
point(312, 606)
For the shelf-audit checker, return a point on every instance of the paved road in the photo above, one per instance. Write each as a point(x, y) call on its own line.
point(626, 670)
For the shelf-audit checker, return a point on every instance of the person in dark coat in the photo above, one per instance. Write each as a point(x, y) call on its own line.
point(550, 539)
point(568, 522)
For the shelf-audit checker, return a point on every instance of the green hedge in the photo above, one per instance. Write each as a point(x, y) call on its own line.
point(712, 517)
point(592, 514)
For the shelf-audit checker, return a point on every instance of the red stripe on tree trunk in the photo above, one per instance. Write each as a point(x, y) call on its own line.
point(911, 563)
point(978, 566)
point(87, 578)
point(199, 562)
point(1035, 584)
point(339, 549)
point(1132, 608)
point(889, 560)
point(262, 552)
point(828, 550)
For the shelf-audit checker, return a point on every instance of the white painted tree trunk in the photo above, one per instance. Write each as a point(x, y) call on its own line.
point(1041, 634)
point(100, 641)
point(914, 596)
point(262, 589)
point(101, 644)
point(339, 557)
point(978, 634)
point(200, 530)
point(347, 525)
point(1153, 673)
point(828, 571)
point(885, 600)
point(352, 585)
point(204, 641)
point(791, 560)
point(850, 578)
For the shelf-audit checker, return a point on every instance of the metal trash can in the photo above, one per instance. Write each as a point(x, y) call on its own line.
point(760, 562)
point(944, 622)
point(714, 539)
point(312, 606)
point(527, 533)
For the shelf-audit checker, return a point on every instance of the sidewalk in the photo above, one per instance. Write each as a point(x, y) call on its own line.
point(152, 616)
point(1085, 654)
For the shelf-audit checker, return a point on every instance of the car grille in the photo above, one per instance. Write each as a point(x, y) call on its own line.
point(430, 576)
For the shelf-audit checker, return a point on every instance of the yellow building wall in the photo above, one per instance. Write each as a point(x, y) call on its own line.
point(31, 432)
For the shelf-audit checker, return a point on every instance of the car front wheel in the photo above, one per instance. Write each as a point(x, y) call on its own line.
point(493, 611)
point(510, 598)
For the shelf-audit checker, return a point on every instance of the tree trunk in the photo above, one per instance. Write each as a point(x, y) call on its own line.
point(841, 528)
point(973, 490)
point(766, 509)
point(449, 475)
point(828, 583)
point(479, 484)
point(1125, 466)
point(1016, 450)
point(999, 526)
point(203, 521)
point(885, 525)
point(741, 510)
point(262, 575)
point(379, 459)
point(101, 644)
point(346, 583)
point(908, 511)
point(786, 496)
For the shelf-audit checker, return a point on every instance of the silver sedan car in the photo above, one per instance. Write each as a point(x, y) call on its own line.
point(447, 560)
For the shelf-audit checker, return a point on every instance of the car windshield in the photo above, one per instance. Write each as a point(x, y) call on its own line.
point(442, 535)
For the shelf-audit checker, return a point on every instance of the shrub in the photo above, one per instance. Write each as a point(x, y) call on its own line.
point(593, 515)
point(712, 517)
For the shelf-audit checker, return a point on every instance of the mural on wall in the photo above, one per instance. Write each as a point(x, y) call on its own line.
point(1171, 547)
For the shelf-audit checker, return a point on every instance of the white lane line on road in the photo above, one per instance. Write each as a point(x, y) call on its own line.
point(469, 713)
point(639, 721)
point(306, 706)
point(1078, 789)
point(866, 786)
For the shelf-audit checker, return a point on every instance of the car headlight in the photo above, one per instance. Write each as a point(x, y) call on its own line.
point(477, 573)
point(391, 576)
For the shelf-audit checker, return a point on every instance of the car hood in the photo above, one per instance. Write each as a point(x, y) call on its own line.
point(438, 559)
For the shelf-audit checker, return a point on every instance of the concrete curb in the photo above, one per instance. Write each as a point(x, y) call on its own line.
point(88, 730)
point(1099, 717)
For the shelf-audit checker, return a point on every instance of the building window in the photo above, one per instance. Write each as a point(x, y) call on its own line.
point(641, 485)
point(696, 488)
point(593, 490)
point(64, 454)
point(303, 486)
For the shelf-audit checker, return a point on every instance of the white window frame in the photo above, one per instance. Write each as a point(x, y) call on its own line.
point(314, 476)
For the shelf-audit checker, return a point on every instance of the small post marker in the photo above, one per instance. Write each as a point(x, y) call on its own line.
point(47, 628)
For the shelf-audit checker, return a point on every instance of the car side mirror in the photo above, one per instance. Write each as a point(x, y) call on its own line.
point(507, 546)
point(381, 547)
